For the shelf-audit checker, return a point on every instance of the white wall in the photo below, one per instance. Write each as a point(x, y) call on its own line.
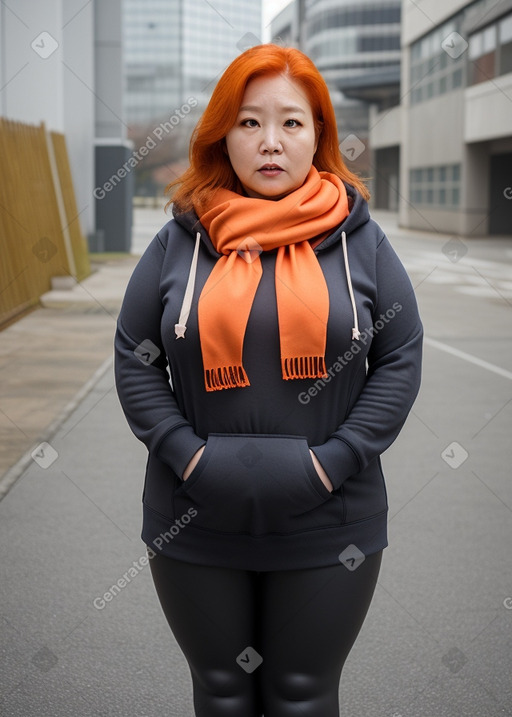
point(31, 67)
point(421, 16)
point(435, 130)
point(47, 75)
point(79, 103)
point(480, 123)
point(385, 127)
point(61, 64)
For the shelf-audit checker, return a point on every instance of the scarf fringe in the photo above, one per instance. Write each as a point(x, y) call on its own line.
point(216, 379)
point(303, 367)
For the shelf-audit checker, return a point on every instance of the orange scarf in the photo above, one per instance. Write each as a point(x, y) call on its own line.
point(240, 228)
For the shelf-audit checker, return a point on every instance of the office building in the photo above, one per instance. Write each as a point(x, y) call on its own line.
point(175, 50)
point(356, 46)
point(453, 127)
point(62, 65)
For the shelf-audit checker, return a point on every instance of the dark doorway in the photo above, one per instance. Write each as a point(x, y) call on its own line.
point(500, 201)
point(387, 164)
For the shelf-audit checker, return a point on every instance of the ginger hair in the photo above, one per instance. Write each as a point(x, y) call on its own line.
point(210, 168)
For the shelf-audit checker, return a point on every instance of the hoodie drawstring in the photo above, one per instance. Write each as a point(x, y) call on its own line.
point(355, 330)
point(181, 326)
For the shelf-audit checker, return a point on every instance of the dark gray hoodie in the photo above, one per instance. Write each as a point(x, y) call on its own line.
point(255, 500)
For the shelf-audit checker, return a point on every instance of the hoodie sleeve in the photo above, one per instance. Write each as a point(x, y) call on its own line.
point(393, 378)
point(140, 364)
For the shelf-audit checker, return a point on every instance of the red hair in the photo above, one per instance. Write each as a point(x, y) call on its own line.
point(210, 167)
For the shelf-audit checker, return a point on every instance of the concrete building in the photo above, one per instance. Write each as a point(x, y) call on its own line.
point(175, 52)
point(213, 35)
point(356, 46)
point(452, 130)
point(153, 51)
point(285, 27)
point(61, 64)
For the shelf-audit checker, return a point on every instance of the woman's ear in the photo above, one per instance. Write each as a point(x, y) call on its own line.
point(319, 125)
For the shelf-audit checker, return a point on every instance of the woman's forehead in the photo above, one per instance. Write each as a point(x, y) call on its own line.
point(282, 88)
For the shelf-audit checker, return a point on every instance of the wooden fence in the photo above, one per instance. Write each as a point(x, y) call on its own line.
point(40, 235)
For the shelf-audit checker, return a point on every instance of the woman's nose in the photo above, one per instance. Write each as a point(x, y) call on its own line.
point(271, 142)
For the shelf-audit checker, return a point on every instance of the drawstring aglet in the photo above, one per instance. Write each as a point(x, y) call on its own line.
point(181, 326)
point(356, 334)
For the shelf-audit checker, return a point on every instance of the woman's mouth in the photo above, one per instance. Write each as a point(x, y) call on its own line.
point(270, 170)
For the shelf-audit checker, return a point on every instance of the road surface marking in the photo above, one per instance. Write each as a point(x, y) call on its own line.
point(468, 357)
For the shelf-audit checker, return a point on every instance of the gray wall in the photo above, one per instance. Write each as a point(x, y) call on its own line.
point(54, 70)
point(109, 56)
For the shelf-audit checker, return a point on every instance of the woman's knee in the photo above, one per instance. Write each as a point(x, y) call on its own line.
point(223, 692)
point(296, 686)
point(220, 682)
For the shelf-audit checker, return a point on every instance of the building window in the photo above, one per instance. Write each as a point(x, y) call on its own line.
point(378, 43)
point(438, 66)
point(433, 71)
point(435, 187)
point(490, 51)
point(505, 39)
point(353, 16)
point(482, 55)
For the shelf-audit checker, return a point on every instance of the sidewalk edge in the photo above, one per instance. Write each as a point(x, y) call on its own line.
point(9, 478)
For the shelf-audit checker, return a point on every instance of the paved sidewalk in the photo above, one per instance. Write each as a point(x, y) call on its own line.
point(51, 358)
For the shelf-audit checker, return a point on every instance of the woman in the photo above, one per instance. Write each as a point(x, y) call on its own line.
point(293, 342)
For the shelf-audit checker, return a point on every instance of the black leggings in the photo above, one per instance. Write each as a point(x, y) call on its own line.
point(265, 643)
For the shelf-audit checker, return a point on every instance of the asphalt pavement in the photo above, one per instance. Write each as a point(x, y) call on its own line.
point(82, 630)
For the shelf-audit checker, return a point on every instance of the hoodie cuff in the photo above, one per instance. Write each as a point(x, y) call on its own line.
point(178, 447)
point(338, 460)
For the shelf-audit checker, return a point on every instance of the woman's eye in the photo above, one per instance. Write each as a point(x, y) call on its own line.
point(292, 123)
point(249, 123)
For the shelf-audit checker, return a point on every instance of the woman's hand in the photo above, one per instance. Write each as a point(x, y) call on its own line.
point(323, 475)
point(193, 463)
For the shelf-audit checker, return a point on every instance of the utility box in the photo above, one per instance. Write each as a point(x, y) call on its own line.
point(113, 194)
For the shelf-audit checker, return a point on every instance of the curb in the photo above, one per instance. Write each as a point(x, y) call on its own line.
point(8, 479)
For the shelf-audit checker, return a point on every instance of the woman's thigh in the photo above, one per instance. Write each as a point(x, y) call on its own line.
point(211, 612)
point(271, 643)
point(310, 620)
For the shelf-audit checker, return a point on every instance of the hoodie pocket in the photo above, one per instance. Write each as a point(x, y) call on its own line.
point(258, 484)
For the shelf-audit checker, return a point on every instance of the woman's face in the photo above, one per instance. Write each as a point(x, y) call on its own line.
point(272, 143)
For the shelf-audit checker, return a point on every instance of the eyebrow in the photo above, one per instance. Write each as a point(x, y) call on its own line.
point(255, 108)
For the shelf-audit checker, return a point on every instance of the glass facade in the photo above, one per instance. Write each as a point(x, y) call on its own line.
point(354, 16)
point(175, 50)
point(213, 35)
point(152, 47)
point(356, 44)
